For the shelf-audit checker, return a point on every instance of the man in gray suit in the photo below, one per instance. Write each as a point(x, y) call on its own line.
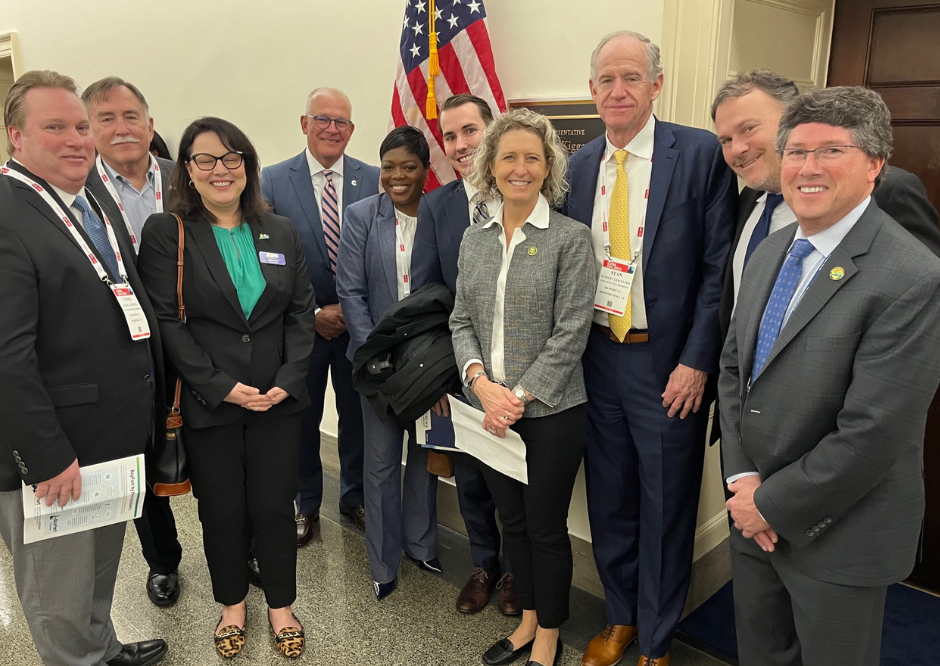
point(826, 376)
point(130, 185)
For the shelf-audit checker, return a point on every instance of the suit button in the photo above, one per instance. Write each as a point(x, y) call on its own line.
point(194, 393)
point(821, 526)
point(24, 470)
point(246, 338)
point(810, 533)
point(828, 521)
point(147, 378)
point(16, 454)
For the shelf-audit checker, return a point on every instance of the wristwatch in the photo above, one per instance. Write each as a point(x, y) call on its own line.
point(519, 392)
point(470, 381)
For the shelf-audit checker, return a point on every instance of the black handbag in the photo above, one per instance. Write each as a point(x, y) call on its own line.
point(168, 468)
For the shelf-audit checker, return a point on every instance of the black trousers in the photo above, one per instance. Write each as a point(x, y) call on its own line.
point(156, 529)
point(535, 516)
point(247, 471)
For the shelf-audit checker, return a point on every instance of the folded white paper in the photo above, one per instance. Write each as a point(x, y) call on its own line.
point(504, 455)
point(112, 492)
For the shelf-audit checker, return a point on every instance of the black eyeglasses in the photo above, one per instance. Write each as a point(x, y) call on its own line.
point(206, 162)
point(324, 121)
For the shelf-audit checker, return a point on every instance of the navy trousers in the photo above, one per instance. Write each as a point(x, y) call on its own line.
point(478, 511)
point(643, 472)
point(330, 356)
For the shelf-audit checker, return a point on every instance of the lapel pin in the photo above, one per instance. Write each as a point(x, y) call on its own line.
point(532, 251)
point(263, 237)
point(837, 273)
point(353, 182)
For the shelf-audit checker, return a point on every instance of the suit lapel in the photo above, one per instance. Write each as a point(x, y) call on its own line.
point(385, 226)
point(271, 272)
point(457, 201)
point(664, 163)
point(300, 179)
point(352, 187)
point(209, 249)
point(746, 203)
point(584, 182)
point(761, 294)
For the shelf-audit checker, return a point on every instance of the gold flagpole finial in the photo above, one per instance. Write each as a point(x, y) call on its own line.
point(434, 66)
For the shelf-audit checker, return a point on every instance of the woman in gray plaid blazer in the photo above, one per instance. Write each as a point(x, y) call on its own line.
point(524, 302)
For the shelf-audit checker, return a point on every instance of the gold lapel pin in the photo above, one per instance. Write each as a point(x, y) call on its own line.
point(837, 273)
point(263, 237)
point(532, 251)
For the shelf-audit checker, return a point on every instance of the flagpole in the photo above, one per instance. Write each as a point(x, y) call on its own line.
point(434, 67)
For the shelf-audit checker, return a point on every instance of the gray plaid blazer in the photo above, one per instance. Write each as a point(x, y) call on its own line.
point(547, 311)
point(834, 424)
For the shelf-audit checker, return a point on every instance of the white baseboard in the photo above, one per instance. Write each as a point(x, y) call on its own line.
point(710, 534)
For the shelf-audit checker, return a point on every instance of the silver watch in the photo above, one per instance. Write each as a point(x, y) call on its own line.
point(519, 392)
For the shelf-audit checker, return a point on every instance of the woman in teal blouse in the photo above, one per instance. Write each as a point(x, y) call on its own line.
point(242, 354)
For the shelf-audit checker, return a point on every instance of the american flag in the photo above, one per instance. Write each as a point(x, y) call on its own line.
point(466, 66)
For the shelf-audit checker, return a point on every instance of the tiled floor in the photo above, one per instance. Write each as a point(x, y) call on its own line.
point(415, 626)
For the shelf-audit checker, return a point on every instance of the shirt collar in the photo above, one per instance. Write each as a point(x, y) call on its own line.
point(828, 239)
point(67, 198)
point(114, 175)
point(316, 167)
point(642, 144)
point(469, 189)
point(537, 218)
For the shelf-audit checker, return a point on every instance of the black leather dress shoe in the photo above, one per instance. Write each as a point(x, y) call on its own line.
point(555, 661)
point(163, 589)
point(144, 653)
point(501, 652)
point(254, 572)
point(382, 590)
point(305, 527)
point(357, 514)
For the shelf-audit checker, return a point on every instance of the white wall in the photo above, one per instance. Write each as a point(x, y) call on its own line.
point(254, 62)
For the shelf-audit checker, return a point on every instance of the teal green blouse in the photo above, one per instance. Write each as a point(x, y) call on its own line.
point(238, 253)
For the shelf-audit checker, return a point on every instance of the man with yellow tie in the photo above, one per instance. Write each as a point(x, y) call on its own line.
point(661, 205)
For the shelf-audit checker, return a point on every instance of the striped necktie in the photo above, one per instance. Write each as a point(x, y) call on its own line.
point(330, 220)
point(98, 235)
point(618, 224)
point(481, 213)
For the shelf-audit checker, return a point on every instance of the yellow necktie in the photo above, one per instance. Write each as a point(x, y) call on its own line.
point(618, 225)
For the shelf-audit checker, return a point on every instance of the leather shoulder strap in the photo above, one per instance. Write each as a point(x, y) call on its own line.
point(182, 308)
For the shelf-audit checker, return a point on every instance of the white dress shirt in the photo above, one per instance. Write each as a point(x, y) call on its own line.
point(69, 200)
point(782, 216)
point(407, 226)
point(824, 243)
point(537, 218)
point(639, 167)
point(319, 183)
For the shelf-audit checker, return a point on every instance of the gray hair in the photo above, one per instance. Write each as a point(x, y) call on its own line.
point(779, 87)
point(100, 91)
point(15, 110)
point(323, 89)
point(555, 185)
point(654, 64)
point(860, 110)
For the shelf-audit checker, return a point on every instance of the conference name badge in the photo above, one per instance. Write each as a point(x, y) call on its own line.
point(133, 313)
point(613, 286)
point(271, 258)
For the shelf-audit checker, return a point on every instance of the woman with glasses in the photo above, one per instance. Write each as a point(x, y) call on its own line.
point(242, 354)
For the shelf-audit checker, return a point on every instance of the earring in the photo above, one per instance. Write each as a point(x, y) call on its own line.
point(192, 185)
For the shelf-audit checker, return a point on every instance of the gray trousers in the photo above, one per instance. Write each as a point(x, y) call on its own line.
point(396, 518)
point(785, 618)
point(65, 586)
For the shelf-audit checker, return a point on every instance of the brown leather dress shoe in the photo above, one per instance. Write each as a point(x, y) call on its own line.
point(305, 527)
point(357, 514)
point(607, 648)
point(476, 593)
point(657, 661)
point(508, 601)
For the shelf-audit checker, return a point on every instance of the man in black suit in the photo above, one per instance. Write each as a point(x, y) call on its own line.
point(130, 186)
point(442, 218)
point(747, 112)
point(75, 388)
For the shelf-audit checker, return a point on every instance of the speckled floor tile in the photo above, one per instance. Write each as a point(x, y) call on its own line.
point(416, 626)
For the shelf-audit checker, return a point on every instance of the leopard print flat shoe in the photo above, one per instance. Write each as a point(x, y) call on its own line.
point(230, 639)
point(290, 640)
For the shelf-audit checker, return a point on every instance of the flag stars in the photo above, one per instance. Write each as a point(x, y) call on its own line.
point(437, 14)
point(418, 28)
point(453, 21)
point(474, 7)
point(406, 26)
point(415, 50)
point(420, 6)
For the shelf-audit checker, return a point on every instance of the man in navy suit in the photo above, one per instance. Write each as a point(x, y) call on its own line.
point(443, 216)
point(313, 190)
point(658, 196)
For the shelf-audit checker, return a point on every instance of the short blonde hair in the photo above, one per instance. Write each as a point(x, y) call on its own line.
point(555, 185)
point(14, 108)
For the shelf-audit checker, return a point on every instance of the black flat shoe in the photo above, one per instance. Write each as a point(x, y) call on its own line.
point(254, 572)
point(163, 589)
point(382, 590)
point(431, 566)
point(502, 652)
point(555, 661)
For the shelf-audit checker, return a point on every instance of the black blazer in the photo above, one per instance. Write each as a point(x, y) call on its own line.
point(901, 195)
point(72, 382)
point(217, 347)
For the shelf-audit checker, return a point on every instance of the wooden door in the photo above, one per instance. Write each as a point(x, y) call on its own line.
point(893, 47)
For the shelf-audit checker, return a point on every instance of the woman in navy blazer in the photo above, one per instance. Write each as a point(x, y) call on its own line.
point(242, 354)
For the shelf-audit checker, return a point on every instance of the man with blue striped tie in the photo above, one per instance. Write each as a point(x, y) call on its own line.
point(826, 376)
point(313, 189)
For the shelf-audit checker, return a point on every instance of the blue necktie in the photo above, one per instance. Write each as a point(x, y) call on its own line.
point(780, 297)
point(98, 235)
point(763, 224)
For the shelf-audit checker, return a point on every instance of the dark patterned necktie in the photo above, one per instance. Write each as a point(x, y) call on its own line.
point(98, 235)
